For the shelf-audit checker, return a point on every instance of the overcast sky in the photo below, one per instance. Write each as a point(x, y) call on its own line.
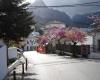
point(71, 11)
point(51, 2)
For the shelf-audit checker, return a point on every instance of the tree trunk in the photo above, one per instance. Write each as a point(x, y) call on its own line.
point(61, 51)
point(74, 51)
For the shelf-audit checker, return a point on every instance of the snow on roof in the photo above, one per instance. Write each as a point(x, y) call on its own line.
point(35, 33)
point(32, 34)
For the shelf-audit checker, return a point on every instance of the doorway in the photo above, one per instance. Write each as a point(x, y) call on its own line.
point(98, 45)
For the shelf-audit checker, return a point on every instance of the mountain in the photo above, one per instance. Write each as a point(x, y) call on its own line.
point(81, 21)
point(44, 15)
point(84, 21)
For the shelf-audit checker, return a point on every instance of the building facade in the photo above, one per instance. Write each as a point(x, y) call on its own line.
point(96, 39)
point(31, 41)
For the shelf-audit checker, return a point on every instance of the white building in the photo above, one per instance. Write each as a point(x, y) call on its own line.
point(3, 60)
point(96, 38)
point(30, 42)
point(53, 24)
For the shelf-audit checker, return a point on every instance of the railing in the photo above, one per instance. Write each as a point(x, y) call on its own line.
point(21, 60)
point(20, 54)
point(83, 50)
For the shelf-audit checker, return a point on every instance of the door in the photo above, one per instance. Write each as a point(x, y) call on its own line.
point(98, 45)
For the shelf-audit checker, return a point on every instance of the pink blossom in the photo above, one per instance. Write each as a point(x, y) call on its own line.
point(72, 34)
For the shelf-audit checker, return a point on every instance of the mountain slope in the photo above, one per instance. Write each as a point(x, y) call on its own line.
point(44, 15)
point(81, 21)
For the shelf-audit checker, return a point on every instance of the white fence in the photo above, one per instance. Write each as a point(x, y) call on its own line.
point(3, 62)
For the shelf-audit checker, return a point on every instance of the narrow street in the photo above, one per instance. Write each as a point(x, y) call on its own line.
point(54, 67)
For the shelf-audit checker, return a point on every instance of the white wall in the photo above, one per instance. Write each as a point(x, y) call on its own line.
point(89, 40)
point(31, 41)
point(3, 62)
point(97, 37)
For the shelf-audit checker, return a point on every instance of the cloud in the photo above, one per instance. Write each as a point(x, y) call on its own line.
point(73, 10)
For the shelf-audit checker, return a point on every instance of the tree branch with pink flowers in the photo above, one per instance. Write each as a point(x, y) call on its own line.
point(72, 34)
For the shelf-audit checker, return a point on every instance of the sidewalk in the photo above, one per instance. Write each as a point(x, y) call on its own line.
point(95, 55)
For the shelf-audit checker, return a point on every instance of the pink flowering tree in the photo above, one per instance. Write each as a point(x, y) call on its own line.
point(56, 33)
point(95, 20)
point(75, 35)
point(43, 39)
point(50, 34)
point(72, 34)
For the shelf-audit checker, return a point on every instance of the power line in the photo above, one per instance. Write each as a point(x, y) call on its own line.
point(72, 5)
